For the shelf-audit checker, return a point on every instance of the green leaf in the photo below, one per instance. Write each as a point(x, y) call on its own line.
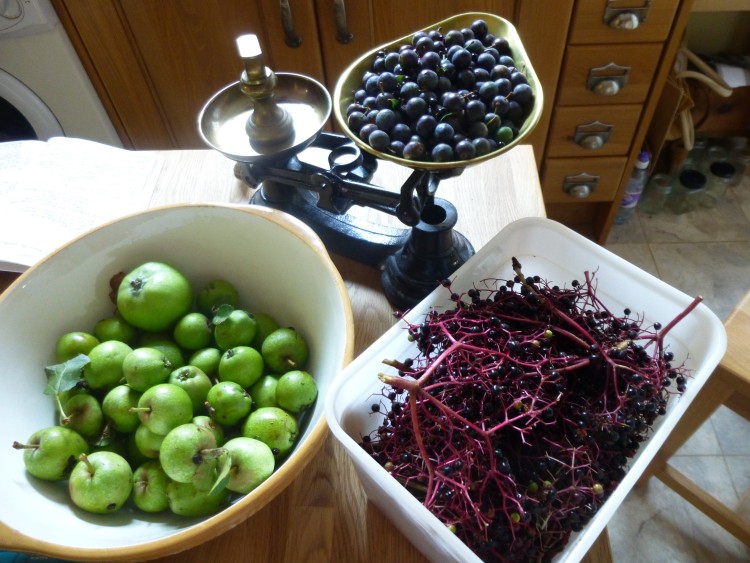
point(224, 465)
point(64, 376)
point(221, 313)
point(105, 438)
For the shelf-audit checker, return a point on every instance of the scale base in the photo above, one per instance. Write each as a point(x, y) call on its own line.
point(345, 235)
point(431, 254)
point(413, 260)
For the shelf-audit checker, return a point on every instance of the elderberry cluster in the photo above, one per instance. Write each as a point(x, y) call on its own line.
point(530, 399)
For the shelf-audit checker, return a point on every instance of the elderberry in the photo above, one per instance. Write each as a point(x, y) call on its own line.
point(537, 412)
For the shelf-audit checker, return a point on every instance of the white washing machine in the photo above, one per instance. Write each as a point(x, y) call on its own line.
point(44, 90)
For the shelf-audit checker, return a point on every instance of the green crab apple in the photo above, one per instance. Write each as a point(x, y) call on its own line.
point(241, 364)
point(275, 427)
point(284, 350)
point(100, 482)
point(208, 422)
point(150, 487)
point(193, 331)
point(189, 499)
point(153, 296)
point(193, 380)
point(216, 293)
point(163, 407)
point(83, 413)
point(207, 359)
point(228, 402)
point(265, 324)
point(52, 452)
point(252, 462)
point(189, 453)
point(164, 344)
point(236, 329)
point(296, 391)
point(263, 392)
point(145, 367)
point(147, 442)
point(115, 328)
point(104, 370)
point(70, 344)
point(117, 407)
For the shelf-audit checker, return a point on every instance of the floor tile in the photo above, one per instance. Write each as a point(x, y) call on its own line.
point(703, 442)
point(654, 524)
point(711, 473)
point(635, 253)
point(739, 471)
point(703, 253)
point(627, 233)
point(720, 271)
point(725, 222)
point(733, 432)
point(741, 195)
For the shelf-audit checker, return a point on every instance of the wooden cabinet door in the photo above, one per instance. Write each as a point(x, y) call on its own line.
point(375, 22)
point(156, 64)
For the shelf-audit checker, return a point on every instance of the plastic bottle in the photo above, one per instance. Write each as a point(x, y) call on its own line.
point(634, 188)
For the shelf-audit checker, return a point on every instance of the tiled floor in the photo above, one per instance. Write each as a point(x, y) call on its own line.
point(707, 253)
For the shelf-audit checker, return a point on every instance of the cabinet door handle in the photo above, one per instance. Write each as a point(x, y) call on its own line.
point(343, 35)
point(287, 23)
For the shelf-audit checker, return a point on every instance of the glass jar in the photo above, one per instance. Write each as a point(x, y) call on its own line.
point(695, 159)
point(716, 151)
point(720, 176)
point(657, 193)
point(740, 157)
point(689, 192)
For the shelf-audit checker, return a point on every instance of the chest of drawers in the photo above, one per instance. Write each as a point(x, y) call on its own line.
point(617, 56)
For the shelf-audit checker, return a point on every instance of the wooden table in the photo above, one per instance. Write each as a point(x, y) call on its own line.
point(324, 515)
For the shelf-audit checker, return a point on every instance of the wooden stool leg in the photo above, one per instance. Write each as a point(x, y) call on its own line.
point(728, 385)
point(700, 499)
point(601, 550)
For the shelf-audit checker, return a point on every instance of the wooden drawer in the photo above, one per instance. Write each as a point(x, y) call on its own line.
point(589, 25)
point(606, 172)
point(630, 67)
point(570, 125)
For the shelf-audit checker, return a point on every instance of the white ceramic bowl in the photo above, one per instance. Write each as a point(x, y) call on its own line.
point(278, 265)
point(556, 253)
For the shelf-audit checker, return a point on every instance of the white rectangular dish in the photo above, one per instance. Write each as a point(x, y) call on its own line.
point(559, 255)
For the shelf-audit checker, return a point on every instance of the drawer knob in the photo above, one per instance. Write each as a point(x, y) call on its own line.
point(592, 135)
point(608, 80)
point(580, 186)
point(609, 87)
point(626, 19)
point(592, 142)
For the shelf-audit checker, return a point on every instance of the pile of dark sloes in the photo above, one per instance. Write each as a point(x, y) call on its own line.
point(443, 97)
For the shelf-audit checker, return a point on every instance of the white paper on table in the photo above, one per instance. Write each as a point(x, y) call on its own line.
point(54, 191)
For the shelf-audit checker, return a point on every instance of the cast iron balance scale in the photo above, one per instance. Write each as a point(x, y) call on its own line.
point(266, 122)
